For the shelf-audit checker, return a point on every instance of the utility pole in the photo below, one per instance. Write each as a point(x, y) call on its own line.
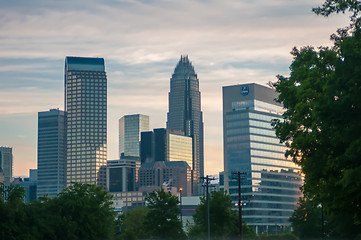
point(208, 179)
point(238, 177)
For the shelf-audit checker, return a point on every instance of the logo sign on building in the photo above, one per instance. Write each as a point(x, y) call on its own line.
point(244, 90)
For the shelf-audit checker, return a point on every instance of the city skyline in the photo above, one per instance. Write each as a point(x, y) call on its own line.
point(228, 42)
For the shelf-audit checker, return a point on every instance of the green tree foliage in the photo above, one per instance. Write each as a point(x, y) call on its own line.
point(306, 220)
point(223, 220)
point(132, 224)
point(86, 211)
point(81, 211)
point(12, 213)
point(161, 220)
point(322, 122)
point(283, 236)
point(337, 6)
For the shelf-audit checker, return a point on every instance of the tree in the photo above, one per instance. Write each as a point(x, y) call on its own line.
point(82, 211)
point(12, 213)
point(322, 121)
point(86, 212)
point(306, 220)
point(161, 220)
point(132, 224)
point(223, 220)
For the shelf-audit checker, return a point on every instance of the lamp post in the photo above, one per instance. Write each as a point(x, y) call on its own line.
point(180, 203)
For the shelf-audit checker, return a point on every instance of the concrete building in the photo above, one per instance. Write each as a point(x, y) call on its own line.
point(124, 201)
point(130, 127)
point(188, 205)
point(272, 181)
point(29, 184)
point(185, 113)
point(51, 152)
point(86, 107)
point(154, 175)
point(166, 145)
point(6, 164)
point(122, 174)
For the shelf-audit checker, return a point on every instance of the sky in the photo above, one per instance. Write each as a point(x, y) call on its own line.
point(229, 42)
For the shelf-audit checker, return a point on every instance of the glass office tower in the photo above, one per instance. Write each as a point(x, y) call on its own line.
point(86, 107)
point(6, 164)
point(270, 190)
point(51, 152)
point(185, 113)
point(165, 145)
point(130, 127)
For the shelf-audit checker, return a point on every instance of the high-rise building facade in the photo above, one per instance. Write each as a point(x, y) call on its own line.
point(185, 112)
point(165, 145)
point(6, 164)
point(51, 152)
point(86, 107)
point(130, 127)
point(122, 174)
point(270, 189)
point(153, 175)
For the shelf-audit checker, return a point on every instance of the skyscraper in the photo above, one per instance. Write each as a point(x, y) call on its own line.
point(185, 112)
point(272, 181)
point(165, 145)
point(130, 127)
point(86, 107)
point(6, 163)
point(51, 152)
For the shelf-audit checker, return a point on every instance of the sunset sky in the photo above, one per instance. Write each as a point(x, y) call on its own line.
point(229, 42)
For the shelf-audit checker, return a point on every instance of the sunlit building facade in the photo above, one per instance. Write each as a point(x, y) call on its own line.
point(130, 127)
point(169, 175)
point(270, 190)
point(86, 107)
point(166, 145)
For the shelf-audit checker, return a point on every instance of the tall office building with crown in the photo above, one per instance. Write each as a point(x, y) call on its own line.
point(86, 107)
point(271, 186)
point(185, 113)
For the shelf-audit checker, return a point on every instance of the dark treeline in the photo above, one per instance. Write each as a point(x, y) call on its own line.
point(81, 211)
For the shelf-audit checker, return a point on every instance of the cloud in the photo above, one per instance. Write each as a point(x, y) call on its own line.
point(229, 42)
point(28, 100)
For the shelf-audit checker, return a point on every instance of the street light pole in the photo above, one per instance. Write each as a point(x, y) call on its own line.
point(180, 202)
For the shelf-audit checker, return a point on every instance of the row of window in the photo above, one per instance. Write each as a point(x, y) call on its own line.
point(94, 142)
point(82, 79)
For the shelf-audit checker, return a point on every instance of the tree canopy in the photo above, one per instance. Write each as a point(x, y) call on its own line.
point(322, 121)
point(81, 211)
point(223, 219)
point(161, 220)
point(132, 224)
point(306, 220)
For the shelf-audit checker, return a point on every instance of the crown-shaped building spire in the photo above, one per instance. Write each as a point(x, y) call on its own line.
point(184, 65)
